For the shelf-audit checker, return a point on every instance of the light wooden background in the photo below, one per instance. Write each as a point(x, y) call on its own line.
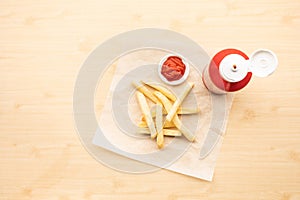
point(42, 45)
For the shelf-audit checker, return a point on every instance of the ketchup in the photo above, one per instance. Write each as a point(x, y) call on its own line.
point(173, 68)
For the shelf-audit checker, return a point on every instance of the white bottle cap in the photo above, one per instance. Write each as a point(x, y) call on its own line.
point(233, 68)
point(263, 63)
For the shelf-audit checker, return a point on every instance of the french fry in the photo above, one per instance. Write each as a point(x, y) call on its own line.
point(159, 125)
point(146, 112)
point(167, 132)
point(162, 89)
point(168, 105)
point(180, 111)
point(178, 101)
point(188, 110)
point(160, 139)
point(143, 89)
point(143, 124)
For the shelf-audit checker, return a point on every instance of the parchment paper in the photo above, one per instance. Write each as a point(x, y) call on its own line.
point(187, 163)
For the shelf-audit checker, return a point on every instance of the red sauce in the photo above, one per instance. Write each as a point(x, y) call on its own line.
point(173, 68)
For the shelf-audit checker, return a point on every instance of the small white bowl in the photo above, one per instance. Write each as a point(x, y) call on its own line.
point(176, 82)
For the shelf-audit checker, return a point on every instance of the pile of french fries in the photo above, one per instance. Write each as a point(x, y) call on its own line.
point(167, 104)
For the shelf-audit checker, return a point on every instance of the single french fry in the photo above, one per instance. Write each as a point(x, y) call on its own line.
point(143, 89)
point(160, 139)
point(162, 89)
point(167, 132)
point(168, 105)
point(146, 112)
point(178, 101)
point(159, 125)
point(172, 132)
point(188, 110)
point(143, 124)
point(180, 111)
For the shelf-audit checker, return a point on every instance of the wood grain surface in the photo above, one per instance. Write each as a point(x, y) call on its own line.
point(42, 45)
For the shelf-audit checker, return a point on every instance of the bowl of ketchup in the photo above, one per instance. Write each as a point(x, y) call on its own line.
point(173, 69)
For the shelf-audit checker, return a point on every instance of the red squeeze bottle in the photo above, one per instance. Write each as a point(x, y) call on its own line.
point(231, 70)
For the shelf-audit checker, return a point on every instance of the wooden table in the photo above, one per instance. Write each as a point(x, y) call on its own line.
point(42, 45)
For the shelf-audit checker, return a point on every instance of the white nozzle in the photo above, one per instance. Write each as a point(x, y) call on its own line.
point(233, 68)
